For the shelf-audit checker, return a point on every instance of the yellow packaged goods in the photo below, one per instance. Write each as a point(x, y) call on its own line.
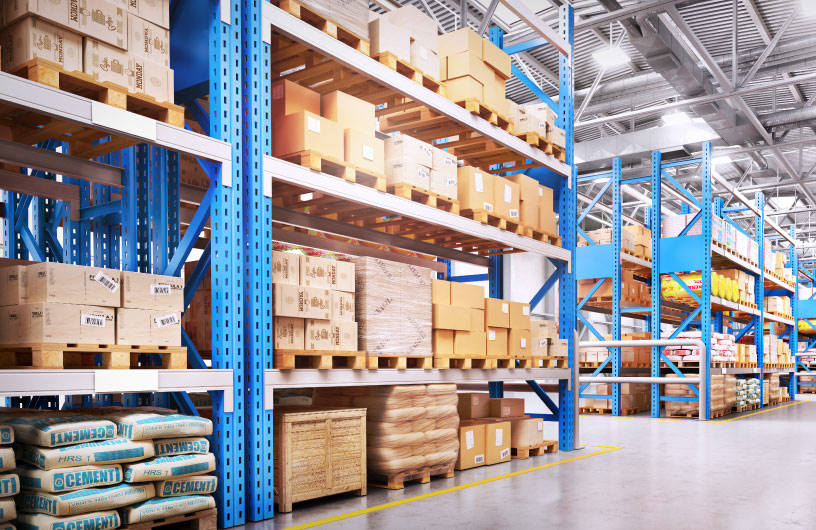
point(148, 41)
point(152, 291)
point(33, 38)
point(497, 313)
point(318, 334)
point(305, 131)
point(285, 267)
point(342, 306)
point(69, 479)
point(9, 485)
point(7, 459)
point(73, 284)
point(149, 326)
point(110, 64)
point(84, 501)
point(160, 508)
point(526, 432)
point(62, 429)
point(497, 442)
point(466, 295)
point(8, 510)
point(496, 342)
point(181, 446)
point(291, 98)
point(475, 189)
point(364, 151)
point(62, 323)
point(113, 451)
point(41, 521)
point(471, 445)
point(348, 111)
point(289, 333)
point(13, 285)
point(165, 467)
point(303, 302)
point(198, 485)
point(343, 335)
point(136, 425)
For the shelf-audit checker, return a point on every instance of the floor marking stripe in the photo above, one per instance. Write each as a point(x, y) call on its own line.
point(607, 449)
point(769, 409)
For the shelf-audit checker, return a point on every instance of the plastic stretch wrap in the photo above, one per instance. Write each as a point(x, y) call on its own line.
point(351, 15)
point(721, 287)
point(397, 440)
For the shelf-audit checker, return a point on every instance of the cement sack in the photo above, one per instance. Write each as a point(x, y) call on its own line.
point(383, 402)
point(441, 458)
point(84, 501)
point(395, 415)
point(6, 434)
point(7, 526)
point(176, 487)
point(8, 510)
point(56, 431)
point(443, 389)
point(9, 485)
point(166, 507)
point(149, 426)
point(441, 412)
point(379, 428)
point(166, 467)
point(436, 436)
point(7, 460)
point(398, 465)
point(181, 446)
point(450, 422)
point(113, 451)
point(396, 440)
point(87, 521)
point(69, 479)
point(423, 424)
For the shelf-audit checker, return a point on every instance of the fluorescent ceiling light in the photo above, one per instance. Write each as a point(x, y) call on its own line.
point(676, 118)
point(611, 57)
point(721, 160)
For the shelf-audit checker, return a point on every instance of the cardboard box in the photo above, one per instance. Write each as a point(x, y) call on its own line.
point(467, 295)
point(73, 284)
point(318, 335)
point(138, 75)
point(344, 335)
point(540, 346)
point(463, 88)
point(13, 285)
point(451, 317)
point(425, 59)
point(408, 171)
point(148, 41)
point(496, 342)
point(314, 272)
point(152, 291)
point(496, 59)
point(506, 407)
point(519, 344)
point(524, 123)
point(477, 319)
point(285, 268)
point(473, 405)
point(30, 38)
point(349, 111)
point(495, 96)
point(525, 432)
point(469, 343)
point(462, 40)
point(519, 315)
point(444, 162)
point(301, 131)
point(471, 446)
point(291, 98)
point(342, 277)
point(548, 222)
point(497, 313)
point(156, 327)
point(53, 322)
point(155, 11)
point(556, 136)
point(497, 442)
point(506, 201)
point(404, 147)
point(342, 306)
point(442, 183)
point(528, 187)
point(443, 342)
point(467, 64)
point(559, 347)
point(364, 151)
point(420, 26)
point(302, 302)
point(530, 214)
point(289, 333)
point(547, 329)
point(440, 292)
point(388, 37)
point(99, 19)
point(476, 190)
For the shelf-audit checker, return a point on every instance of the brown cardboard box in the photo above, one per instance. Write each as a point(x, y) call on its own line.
point(476, 190)
point(497, 313)
point(451, 317)
point(302, 302)
point(344, 335)
point(10, 324)
point(467, 295)
point(525, 432)
point(73, 284)
point(404, 147)
point(547, 220)
point(547, 329)
point(440, 292)
point(99, 19)
point(540, 347)
point(420, 26)
point(471, 446)
point(49, 322)
point(350, 112)
point(506, 407)
point(342, 306)
point(496, 59)
point(462, 40)
point(519, 343)
point(30, 38)
point(473, 405)
point(152, 291)
point(467, 64)
point(389, 37)
point(519, 315)
point(556, 136)
point(530, 214)
point(425, 59)
point(291, 98)
point(496, 342)
point(314, 272)
point(443, 341)
point(13, 285)
point(444, 162)
point(109, 63)
point(469, 343)
point(318, 335)
point(442, 183)
point(148, 326)
point(559, 347)
point(303, 131)
point(155, 11)
point(506, 201)
point(528, 187)
point(524, 123)
point(155, 81)
point(364, 151)
point(342, 276)
point(497, 442)
point(285, 267)
point(289, 333)
point(495, 96)
point(477, 319)
point(407, 171)
point(148, 41)
point(463, 88)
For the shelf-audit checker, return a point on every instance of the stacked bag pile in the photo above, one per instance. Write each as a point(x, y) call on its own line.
point(409, 427)
point(100, 468)
point(9, 481)
point(747, 391)
point(723, 347)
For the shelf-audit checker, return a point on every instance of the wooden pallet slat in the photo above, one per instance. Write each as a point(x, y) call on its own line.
point(423, 475)
point(526, 451)
point(337, 168)
point(606, 412)
point(321, 359)
point(201, 520)
point(411, 72)
point(48, 355)
point(426, 197)
point(324, 24)
point(399, 362)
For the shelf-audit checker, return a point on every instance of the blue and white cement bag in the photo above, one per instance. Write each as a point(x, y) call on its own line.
point(9, 485)
point(106, 520)
point(197, 485)
point(7, 459)
point(104, 452)
point(6, 434)
point(151, 426)
point(8, 510)
point(181, 446)
point(168, 507)
point(69, 479)
point(84, 501)
point(56, 431)
point(166, 467)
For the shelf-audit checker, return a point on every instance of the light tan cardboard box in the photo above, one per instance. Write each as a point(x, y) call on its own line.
point(291, 98)
point(440, 292)
point(318, 335)
point(342, 275)
point(451, 317)
point(463, 88)
point(473, 405)
point(462, 40)
point(314, 272)
point(348, 111)
point(497, 442)
point(13, 285)
point(467, 64)
point(285, 267)
point(303, 131)
point(469, 343)
point(289, 333)
point(364, 151)
point(31, 37)
point(404, 147)
point(477, 319)
point(475, 189)
point(497, 342)
point(408, 171)
point(155, 11)
point(442, 341)
point(344, 335)
point(302, 302)
point(388, 37)
point(444, 183)
point(466, 295)
point(519, 343)
point(152, 291)
point(526, 431)
point(471, 445)
point(506, 407)
point(519, 315)
point(73, 284)
point(506, 201)
point(497, 313)
point(496, 59)
point(342, 306)
point(50, 322)
point(148, 41)
point(148, 326)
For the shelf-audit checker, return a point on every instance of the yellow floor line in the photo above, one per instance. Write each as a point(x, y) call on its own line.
point(762, 411)
point(607, 449)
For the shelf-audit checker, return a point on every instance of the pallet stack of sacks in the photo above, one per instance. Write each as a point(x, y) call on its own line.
point(99, 468)
point(723, 347)
point(747, 391)
point(408, 34)
point(409, 427)
point(721, 402)
point(9, 480)
point(124, 43)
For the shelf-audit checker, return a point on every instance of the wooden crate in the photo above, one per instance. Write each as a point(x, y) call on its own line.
point(319, 451)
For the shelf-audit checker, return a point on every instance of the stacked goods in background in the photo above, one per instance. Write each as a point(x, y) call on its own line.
point(634, 398)
point(632, 290)
point(108, 466)
point(722, 286)
point(538, 119)
point(474, 67)
point(124, 43)
point(746, 350)
point(458, 319)
point(9, 480)
point(691, 408)
point(394, 308)
point(414, 163)
point(197, 319)
point(642, 239)
point(535, 205)
point(723, 347)
point(603, 236)
point(781, 305)
point(723, 234)
point(747, 392)
point(319, 451)
point(409, 35)
point(544, 336)
point(481, 193)
point(807, 384)
point(641, 355)
point(771, 391)
point(775, 350)
point(350, 15)
point(729, 398)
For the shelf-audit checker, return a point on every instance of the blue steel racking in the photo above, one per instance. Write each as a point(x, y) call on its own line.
point(685, 253)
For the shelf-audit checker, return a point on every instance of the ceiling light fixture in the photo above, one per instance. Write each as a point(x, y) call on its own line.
point(676, 118)
point(611, 57)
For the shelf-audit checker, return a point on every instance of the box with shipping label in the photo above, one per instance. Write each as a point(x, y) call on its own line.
point(451, 317)
point(494, 93)
point(302, 302)
point(463, 88)
point(404, 147)
point(157, 327)
point(548, 222)
point(540, 347)
point(470, 343)
point(444, 162)
point(344, 335)
point(34, 38)
point(314, 272)
point(388, 37)
point(364, 151)
point(476, 189)
point(425, 59)
point(152, 291)
point(318, 335)
point(559, 347)
point(444, 184)
point(519, 315)
point(497, 442)
point(291, 98)
point(497, 313)
point(420, 26)
point(285, 267)
point(440, 291)
point(471, 446)
point(546, 329)
point(519, 343)
point(73, 284)
point(443, 342)
point(525, 432)
point(506, 407)
point(289, 333)
point(407, 171)
point(342, 306)
point(136, 74)
point(506, 198)
point(305, 131)
point(496, 342)
point(148, 41)
point(473, 405)
point(467, 295)
point(527, 123)
point(348, 111)
point(477, 319)
point(49, 322)
point(13, 285)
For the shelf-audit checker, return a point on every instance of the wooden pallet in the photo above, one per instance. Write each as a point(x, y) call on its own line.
point(474, 106)
point(58, 355)
point(526, 451)
point(536, 140)
point(82, 84)
point(745, 408)
point(548, 362)
point(428, 198)
point(325, 25)
point(606, 412)
point(422, 476)
point(696, 413)
point(489, 218)
point(559, 152)
point(400, 362)
point(511, 363)
point(781, 315)
point(540, 235)
point(463, 362)
point(337, 168)
point(320, 359)
point(201, 520)
point(411, 72)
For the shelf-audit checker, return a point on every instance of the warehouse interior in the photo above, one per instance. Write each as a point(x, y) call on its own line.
point(287, 264)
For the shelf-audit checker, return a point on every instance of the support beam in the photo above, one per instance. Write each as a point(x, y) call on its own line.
point(37, 187)
point(60, 164)
point(488, 16)
point(769, 48)
point(518, 8)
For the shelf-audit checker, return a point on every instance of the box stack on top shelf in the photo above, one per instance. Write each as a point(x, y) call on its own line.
point(409, 36)
point(538, 119)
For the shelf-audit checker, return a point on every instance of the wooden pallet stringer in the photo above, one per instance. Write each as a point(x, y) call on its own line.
point(59, 355)
point(423, 476)
point(526, 451)
point(320, 359)
point(201, 520)
point(399, 362)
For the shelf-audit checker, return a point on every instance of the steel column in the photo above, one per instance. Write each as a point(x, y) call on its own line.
point(654, 221)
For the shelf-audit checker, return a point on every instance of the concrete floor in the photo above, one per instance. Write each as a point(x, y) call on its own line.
point(747, 473)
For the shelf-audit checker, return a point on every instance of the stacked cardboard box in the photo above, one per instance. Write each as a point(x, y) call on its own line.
point(603, 236)
point(410, 35)
point(539, 119)
point(633, 396)
point(535, 204)
point(642, 240)
point(718, 396)
point(351, 15)
point(491, 193)
point(474, 67)
point(421, 165)
point(723, 233)
point(125, 43)
point(632, 290)
point(779, 304)
point(771, 391)
point(9, 479)
point(638, 355)
point(544, 336)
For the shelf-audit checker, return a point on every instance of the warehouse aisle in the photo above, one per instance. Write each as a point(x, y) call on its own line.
point(639, 473)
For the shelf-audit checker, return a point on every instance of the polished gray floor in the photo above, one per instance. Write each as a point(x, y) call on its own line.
point(750, 473)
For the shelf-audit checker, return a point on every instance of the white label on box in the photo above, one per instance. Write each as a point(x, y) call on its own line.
point(491, 335)
point(469, 443)
point(368, 152)
point(505, 307)
point(277, 91)
point(542, 125)
point(525, 310)
point(523, 342)
point(423, 52)
point(505, 453)
point(540, 192)
point(508, 194)
point(488, 206)
point(93, 320)
point(513, 213)
point(313, 124)
point(450, 182)
point(478, 459)
point(499, 437)
point(542, 343)
point(167, 320)
point(426, 149)
point(449, 161)
point(159, 289)
point(540, 425)
point(422, 173)
point(477, 182)
point(505, 411)
point(106, 282)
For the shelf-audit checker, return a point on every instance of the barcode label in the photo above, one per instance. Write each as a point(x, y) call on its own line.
point(478, 459)
point(489, 207)
point(450, 182)
point(159, 289)
point(93, 320)
point(508, 193)
point(540, 191)
point(368, 152)
point(106, 281)
point(449, 161)
point(505, 453)
point(525, 310)
point(542, 343)
point(523, 342)
point(513, 213)
point(477, 182)
point(167, 320)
